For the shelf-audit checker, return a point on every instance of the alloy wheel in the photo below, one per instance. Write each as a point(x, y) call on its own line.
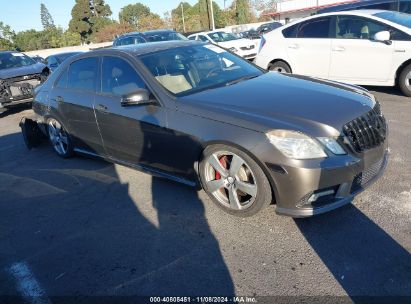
point(58, 137)
point(230, 180)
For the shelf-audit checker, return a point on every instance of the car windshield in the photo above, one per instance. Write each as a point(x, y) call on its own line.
point(164, 36)
point(191, 69)
point(399, 18)
point(14, 60)
point(222, 36)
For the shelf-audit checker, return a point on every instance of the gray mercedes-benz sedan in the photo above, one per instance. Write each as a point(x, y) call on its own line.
point(200, 115)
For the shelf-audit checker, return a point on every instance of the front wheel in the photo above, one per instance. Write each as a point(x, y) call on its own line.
point(404, 81)
point(59, 138)
point(279, 66)
point(234, 181)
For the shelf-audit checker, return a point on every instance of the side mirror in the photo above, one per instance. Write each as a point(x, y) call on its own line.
point(383, 36)
point(137, 98)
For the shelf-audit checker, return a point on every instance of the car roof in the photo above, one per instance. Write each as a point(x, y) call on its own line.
point(149, 47)
point(159, 31)
point(129, 34)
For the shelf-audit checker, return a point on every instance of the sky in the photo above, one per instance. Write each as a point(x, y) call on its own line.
point(25, 14)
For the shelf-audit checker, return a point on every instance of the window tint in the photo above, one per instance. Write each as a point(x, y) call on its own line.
point(127, 41)
point(315, 28)
point(351, 27)
point(83, 74)
point(51, 60)
point(290, 32)
point(405, 6)
point(192, 38)
point(62, 80)
point(119, 77)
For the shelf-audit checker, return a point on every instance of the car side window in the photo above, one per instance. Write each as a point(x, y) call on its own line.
point(192, 38)
point(127, 41)
point(51, 60)
point(314, 28)
point(352, 27)
point(290, 32)
point(62, 80)
point(119, 77)
point(202, 38)
point(83, 74)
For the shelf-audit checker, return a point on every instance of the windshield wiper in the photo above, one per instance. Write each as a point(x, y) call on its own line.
point(240, 79)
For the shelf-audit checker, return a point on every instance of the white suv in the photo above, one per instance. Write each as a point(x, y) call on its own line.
point(365, 47)
point(245, 48)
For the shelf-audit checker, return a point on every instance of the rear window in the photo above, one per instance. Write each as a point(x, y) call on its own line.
point(83, 74)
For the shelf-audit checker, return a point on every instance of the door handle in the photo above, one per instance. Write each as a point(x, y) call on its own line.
point(338, 49)
point(294, 46)
point(102, 108)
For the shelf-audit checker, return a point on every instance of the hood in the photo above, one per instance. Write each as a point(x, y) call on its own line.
point(274, 101)
point(236, 43)
point(21, 71)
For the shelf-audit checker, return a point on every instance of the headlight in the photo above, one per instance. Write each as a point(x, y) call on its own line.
point(233, 49)
point(295, 144)
point(332, 145)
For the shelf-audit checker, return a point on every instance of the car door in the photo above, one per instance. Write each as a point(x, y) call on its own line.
point(131, 134)
point(73, 97)
point(355, 56)
point(309, 50)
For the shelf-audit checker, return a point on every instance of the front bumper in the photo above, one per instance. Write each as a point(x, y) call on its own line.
point(318, 186)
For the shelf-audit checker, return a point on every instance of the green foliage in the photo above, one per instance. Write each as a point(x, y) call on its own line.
point(132, 13)
point(6, 37)
point(46, 19)
point(197, 17)
point(243, 12)
point(88, 17)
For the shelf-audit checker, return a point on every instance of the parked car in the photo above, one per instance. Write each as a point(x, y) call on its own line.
point(197, 114)
point(149, 36)
point(358, 47)
point(251, 34)
point(241, 46)
point(268, 27)
point(19, 75)
point(163, 35)
point(55, 60)
point(38, 58)
point(403, 6)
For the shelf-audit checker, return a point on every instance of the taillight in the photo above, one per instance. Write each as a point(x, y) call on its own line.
point(262, 43)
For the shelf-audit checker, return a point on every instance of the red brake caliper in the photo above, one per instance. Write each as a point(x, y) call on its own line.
point(223, 162)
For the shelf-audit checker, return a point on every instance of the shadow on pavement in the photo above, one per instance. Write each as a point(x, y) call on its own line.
point(76, 226)
point(363, 258)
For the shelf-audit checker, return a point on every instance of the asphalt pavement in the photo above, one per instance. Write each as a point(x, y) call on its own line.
point(80, 229)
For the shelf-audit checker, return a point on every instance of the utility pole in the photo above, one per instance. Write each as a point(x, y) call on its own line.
point(212, 15)
point(182, 14)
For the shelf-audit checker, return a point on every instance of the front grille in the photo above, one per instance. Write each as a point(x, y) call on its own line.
point(363, 178)
point(23, 87)
point(367, 131)
point(247, 48)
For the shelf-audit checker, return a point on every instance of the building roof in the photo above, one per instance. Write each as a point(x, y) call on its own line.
point(273, 14)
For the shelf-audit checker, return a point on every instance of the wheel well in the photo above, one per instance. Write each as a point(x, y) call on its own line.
point(261, 164)
point(401, 68)
point(277, 60)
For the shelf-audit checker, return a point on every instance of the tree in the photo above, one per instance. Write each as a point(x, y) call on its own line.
point(132, 13)
point(88, 17)
point(6, 37)
point(46, 19)
point(150, 22)
point(243, 12)
point(177, 16)
point(262, 7)
point(109, 32)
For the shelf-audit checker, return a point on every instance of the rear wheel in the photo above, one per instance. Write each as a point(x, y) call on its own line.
point(234, 181)
point(404, 81)
point(279, 66)
point(59, 138)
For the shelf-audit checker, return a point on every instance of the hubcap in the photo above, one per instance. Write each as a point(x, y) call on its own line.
point(230, 180)
point(58, 137)
point(408, 81)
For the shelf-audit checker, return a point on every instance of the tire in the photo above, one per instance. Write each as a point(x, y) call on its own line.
point(241, 190)
point(404, 81)
point(59, 138)
point(279, 66)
